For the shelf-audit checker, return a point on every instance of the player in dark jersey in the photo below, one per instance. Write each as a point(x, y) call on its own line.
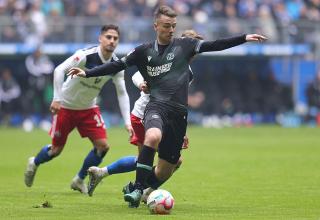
point(163, 64)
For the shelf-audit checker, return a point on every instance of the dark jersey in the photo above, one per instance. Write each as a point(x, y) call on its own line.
point(167, 73)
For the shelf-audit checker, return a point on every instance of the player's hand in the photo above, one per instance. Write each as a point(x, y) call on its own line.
point(185, 144)
point(130, 131)
point(255, 38)
point(144, 87)
point(55, 107)
point(75, 71)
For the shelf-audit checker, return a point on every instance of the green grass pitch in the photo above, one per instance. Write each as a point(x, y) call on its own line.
point(233, 173)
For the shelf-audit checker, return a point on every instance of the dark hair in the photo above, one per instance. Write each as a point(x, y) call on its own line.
point(164, 10)
point(107, 27)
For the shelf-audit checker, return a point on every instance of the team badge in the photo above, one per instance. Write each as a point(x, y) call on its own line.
point(149, 58)
point(170, 56)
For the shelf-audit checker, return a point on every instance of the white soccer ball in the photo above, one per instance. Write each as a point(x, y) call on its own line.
point(160, 202)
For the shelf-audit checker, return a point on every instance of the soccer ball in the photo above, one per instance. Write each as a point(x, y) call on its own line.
point(160, 202)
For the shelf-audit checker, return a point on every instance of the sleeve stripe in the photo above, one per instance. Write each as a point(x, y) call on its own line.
point(197, 49)
point(124, 60)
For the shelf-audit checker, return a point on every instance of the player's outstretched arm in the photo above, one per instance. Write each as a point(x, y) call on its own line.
point(110, 68)
point(255, 38)
point(226, 43)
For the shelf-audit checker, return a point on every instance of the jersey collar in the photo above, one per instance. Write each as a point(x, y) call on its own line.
point(101, 56)
point(156, 47)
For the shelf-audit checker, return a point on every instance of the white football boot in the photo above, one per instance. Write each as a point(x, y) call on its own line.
point(96, 174)
point(146, 194)
point(79, 185)
point(30, 172)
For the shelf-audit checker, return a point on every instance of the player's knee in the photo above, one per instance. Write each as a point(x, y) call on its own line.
point(101, 146)
point(104, 147)
point(153, 137)
point(55, 150)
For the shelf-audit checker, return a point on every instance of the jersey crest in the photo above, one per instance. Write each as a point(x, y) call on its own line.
point(170, 56)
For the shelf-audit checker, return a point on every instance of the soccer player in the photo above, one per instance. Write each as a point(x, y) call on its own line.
point(163, 64)
point(74, 106)
point(128, 163)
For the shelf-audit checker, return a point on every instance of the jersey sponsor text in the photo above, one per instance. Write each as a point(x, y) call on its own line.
point(157, 70)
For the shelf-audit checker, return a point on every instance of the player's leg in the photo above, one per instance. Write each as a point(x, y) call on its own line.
point(153, 135)
point(169, 153)
point(128, 163)
point(94, 158)
point(152, 188)
point(90, 124)
point(96, 174)
point(124, 164)
point(60, 129)
point(157, 183)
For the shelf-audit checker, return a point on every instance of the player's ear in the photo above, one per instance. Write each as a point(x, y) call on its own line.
point(100, 38)
point(155, 25)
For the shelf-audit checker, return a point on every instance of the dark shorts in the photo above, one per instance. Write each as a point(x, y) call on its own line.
point(173, 125)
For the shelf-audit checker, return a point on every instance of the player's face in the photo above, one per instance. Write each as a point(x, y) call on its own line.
point(165, 27)
point(109, 40)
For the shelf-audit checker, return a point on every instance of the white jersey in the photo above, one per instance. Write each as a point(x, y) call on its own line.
point(140, 105)
point(81, 93)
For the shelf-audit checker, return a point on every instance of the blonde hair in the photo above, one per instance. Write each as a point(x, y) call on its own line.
point(192, 34)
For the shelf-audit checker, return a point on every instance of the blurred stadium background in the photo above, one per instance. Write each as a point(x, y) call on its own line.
point(264, 172)
point(275, 83)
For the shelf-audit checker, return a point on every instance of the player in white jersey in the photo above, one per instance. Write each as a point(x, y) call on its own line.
point(74, 106)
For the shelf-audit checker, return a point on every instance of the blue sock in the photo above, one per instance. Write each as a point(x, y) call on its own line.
point(44, 155)
point(94, 158)
point(123, 165)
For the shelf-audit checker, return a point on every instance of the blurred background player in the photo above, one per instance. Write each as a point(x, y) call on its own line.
point(9, 96)
point(40, 68)
point(74, 106)
point(128, 163)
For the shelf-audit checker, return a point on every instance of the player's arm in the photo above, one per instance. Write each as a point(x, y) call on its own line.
point(222, 44)
point(110, 68)
point(58, 78)
point(139, 82)
point(123, 99)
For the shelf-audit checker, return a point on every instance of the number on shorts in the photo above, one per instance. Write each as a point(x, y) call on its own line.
point(99, 120)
